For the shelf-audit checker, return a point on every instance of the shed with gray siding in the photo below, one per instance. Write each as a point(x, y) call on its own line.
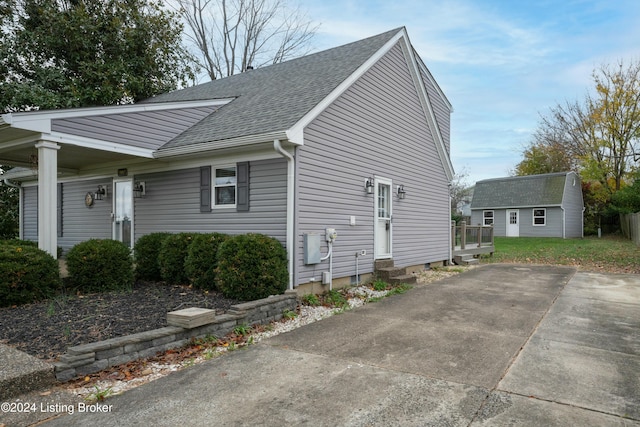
point(355, 139)
point(546, 205)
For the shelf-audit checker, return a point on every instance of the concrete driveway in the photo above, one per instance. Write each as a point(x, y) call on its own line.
point(500, 345)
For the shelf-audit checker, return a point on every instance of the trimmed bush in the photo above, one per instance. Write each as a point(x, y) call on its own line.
point(173, 253)
point(18, 242)
point(251, 266)
point(100, 265)
point(147, 252)
point(28, 274)
point(202, 260)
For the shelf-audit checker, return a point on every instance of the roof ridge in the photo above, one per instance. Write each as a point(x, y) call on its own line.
point(273, 67)
point(540, 175)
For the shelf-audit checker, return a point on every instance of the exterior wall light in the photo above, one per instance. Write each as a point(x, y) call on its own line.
point(101, 192)
point(139, 190)
point(368, 185)
point(401, 192)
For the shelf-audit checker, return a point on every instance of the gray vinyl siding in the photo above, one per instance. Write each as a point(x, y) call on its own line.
point(30, 213)
point(172, 203)
point(377, 127)
point(553, 227)
point(573, 205)
point(440, 109)
point(79, 222)
point(148, 129)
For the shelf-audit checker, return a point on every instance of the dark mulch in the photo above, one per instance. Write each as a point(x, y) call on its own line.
point(46, 329)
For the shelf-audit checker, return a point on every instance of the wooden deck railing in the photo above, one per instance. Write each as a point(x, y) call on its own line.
point(465, 236)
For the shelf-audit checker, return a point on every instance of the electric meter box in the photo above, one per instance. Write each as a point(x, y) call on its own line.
point(311, 243)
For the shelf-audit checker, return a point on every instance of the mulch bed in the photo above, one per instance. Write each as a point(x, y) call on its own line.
point(46, 329)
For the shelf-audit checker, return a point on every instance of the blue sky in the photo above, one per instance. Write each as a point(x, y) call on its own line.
point(500, 63)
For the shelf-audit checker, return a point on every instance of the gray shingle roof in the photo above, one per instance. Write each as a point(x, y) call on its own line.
point(519, 191)
point(273, 98)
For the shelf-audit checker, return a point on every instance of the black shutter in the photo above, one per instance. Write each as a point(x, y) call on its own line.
point(205, 189)
point(59, 209)
point(242, 186)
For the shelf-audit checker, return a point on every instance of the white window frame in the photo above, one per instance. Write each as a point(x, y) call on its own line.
point(484, 218)
point(215, 186)
point(544, 217)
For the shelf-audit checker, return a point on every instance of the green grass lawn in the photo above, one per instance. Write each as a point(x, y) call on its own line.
point(609, 253)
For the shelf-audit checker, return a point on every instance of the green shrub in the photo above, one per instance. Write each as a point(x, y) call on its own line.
point(18, 242)
point(98, 265)
point(147, 252)
point(28, 274)
point(251, 266)
point(202, 260)
point(173, 254)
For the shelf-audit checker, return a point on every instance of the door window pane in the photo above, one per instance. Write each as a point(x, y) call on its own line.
point(513, 217)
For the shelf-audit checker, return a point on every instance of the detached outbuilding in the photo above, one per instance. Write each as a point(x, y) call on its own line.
point(344, 151)
point(547, 205)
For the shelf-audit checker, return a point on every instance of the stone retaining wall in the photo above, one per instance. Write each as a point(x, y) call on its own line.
point(90, 358)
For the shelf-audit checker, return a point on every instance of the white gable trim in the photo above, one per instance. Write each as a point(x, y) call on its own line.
point(296, 133)
point(423, 67)
point(428, 108)
point(98, 144)
point(40, 121)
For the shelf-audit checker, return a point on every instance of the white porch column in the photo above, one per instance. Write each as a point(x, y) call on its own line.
point(48, 196)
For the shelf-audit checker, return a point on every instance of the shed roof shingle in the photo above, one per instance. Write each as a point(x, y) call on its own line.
point(273, 98)
point(519, 191)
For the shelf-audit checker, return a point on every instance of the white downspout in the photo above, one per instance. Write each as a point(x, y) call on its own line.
point(290, 204)
point(450, 227)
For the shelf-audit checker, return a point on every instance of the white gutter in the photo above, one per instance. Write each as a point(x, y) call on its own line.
point(290, 204)
point(199, 148)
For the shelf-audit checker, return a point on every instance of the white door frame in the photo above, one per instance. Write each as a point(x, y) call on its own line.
point(122, 199)
point(513, 230)
point(383, 220)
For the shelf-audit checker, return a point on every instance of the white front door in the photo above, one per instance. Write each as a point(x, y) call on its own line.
point(513, 223)
point(383, 224)
point(123, 211)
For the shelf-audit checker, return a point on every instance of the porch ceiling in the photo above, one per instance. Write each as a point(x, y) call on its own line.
point(70, 157)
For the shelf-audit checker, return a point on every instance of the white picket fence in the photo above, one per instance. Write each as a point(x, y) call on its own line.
point(630, 224)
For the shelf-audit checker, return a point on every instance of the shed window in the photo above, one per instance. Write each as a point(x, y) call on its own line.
point(539, 217)
point(224, 187)
point(487, 217)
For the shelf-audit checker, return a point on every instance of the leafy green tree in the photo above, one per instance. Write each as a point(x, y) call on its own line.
point(76, 53)
point(8, 209)
point(627, 199)
point(602, 133)
point(544, 157)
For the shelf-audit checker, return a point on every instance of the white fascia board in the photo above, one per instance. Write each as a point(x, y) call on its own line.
point(518, 207)
point(219, 145)
point(426, 104)
point(296, 133)
point(96, 144)
point(40, 121)
point(423, 66)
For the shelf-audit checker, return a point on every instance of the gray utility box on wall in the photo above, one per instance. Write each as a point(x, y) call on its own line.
point(311, 242)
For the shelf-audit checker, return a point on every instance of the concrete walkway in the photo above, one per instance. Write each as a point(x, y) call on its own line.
point(500, 345)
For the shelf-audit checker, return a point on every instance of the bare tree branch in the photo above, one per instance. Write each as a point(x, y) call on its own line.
point(231, 35)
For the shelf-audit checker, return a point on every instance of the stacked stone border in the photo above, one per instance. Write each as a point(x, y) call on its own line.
point(90, 358)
